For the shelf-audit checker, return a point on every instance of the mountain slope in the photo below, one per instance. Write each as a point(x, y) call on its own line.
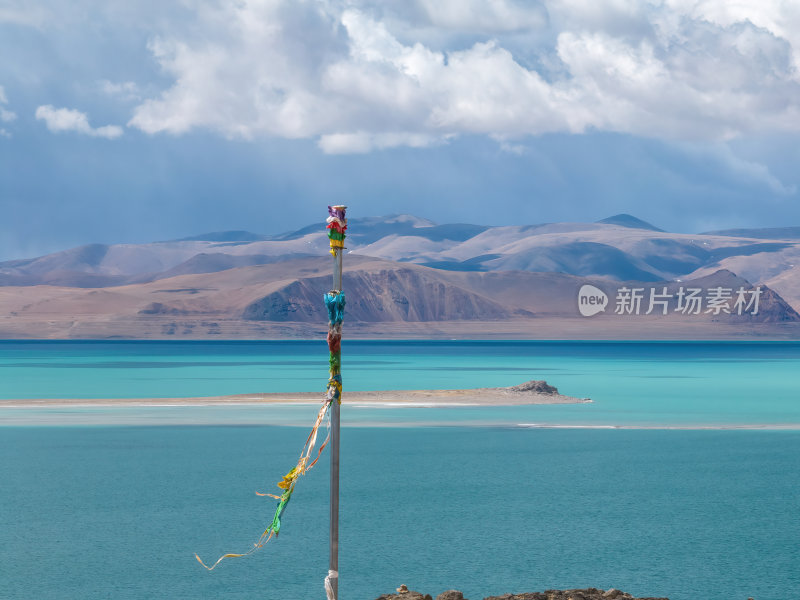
point(284, 299)
point(764, 233)
point(391, 293)
point(626, 220)
point(619, 248)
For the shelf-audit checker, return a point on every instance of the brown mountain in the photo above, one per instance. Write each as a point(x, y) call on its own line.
point(383, 292)
point(406, 276)
point(384, 298)
point(620, 248)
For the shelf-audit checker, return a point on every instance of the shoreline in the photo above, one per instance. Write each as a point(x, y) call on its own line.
point(387, 398)
point(241, 409)
point(238, 415)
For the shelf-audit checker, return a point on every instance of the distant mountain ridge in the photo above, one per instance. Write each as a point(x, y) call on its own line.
point(764, 233)
point(284, 299)
point(627, 220)
point(366, 230)
point(225, 236)
point(618, 248)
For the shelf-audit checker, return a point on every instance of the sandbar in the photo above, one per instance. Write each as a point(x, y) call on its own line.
point(504, 396)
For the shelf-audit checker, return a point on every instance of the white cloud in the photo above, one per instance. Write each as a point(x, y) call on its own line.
point(351, 74)
point(127, 90)
point(745, 171)
point(6, 116)
point(28, 14)
point(68, 119)
point(483, 15)
point(506, 146)
point(4, 133)
point(781, 18)
point(361, 142)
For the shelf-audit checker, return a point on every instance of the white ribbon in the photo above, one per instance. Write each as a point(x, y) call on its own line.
point(337, 220)
point(329, 585)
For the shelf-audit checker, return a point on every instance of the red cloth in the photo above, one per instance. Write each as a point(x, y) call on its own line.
point(336, 227)
point(334, 342)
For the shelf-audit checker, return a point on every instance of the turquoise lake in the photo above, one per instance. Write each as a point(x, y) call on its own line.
point(113, 503)
point(631, 383)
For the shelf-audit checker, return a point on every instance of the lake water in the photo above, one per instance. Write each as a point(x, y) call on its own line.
point(632, 383)
point(481, 504)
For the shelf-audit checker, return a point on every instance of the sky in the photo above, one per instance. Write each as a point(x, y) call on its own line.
point(131, 122)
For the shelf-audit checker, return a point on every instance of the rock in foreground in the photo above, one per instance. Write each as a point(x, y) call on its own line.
point(403, 593)
point(586, 594)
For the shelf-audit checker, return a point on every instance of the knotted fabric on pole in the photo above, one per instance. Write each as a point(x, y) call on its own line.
point(334, 304)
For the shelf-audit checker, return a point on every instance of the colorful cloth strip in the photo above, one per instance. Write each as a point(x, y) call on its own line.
point(337, 225)
point(287, 485)
point(334, 302)
point(335, 388)
point(334, 341)
point(338, 212)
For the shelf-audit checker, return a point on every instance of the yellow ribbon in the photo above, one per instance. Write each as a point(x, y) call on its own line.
point(287, 483)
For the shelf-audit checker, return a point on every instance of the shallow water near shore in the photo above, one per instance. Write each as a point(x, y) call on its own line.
point(650, 384)
point(117, 512)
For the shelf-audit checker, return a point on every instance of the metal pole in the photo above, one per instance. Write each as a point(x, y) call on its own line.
point(334, 560)
point(335, 410)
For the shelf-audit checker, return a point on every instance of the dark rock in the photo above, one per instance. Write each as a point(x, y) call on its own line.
point(584, 594)
point(158, 308)
point(450, 595)
point(539, 387)
point(403, 593)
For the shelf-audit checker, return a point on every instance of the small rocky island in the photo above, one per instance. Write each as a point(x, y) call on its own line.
point(530, 392)
point(403, 593)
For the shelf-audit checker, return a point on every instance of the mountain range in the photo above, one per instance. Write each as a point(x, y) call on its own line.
point(408, 276)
